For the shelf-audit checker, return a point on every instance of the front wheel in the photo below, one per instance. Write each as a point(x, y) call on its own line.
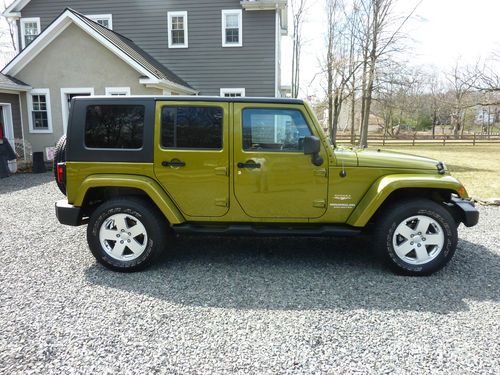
point(417, 237)
point(126, 234)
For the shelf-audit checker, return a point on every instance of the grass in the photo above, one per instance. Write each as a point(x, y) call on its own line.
point(477, 167)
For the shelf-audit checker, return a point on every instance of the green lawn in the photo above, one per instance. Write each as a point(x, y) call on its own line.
point(477, 167)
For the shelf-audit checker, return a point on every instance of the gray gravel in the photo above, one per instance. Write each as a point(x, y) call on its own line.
point(237, 305)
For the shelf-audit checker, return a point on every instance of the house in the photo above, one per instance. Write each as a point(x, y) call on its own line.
point(11, 121)
point(151, 47)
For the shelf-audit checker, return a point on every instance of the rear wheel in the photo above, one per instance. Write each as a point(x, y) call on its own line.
point(126, 234)
point(417, 237)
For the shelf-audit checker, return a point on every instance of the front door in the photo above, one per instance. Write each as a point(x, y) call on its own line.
point(192, 155)
point(6, 123)
point(273, 178)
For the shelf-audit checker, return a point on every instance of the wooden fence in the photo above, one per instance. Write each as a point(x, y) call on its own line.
point(415, 140)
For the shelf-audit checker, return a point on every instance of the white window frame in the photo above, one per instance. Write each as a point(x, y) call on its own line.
point(64, 100)
point(110, 91)
point(96, 17)
point(22, 22)
point(45, 92)
point(169, 17)
point(239, 13)
point(225, 91)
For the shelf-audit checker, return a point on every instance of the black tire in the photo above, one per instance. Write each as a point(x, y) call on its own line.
point(148, 215)
point(395, 215)
point(60, 157)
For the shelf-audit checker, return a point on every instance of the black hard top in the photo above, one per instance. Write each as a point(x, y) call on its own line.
point(198, 99)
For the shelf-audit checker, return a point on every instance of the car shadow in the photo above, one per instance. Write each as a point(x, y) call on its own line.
point(304, 274)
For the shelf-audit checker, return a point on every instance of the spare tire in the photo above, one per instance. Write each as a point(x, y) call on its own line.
point(60, 157)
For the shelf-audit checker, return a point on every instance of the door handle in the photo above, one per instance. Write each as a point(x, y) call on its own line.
point(173, 163)
point(250, 164)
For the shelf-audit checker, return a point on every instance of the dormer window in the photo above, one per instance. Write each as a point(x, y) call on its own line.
point(232, 28)
point(30, 28)
point(177, 30)
point(105, 20)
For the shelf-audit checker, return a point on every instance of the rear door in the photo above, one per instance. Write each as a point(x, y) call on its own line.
point(192, 155)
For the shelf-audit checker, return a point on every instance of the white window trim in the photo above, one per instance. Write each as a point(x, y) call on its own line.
point(95, 17)
point(117, 90)
point(28, 20)
point(45, 92)
point(64, 107)
point(226, 12)
point(225, 91)
point(177, 14)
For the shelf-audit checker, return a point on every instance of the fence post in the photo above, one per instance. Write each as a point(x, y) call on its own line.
point(474, 139)
point(414, 136)
point(444, 140)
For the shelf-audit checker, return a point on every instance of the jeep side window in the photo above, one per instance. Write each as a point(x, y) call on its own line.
point(274, 130)
point(192, 127)
point(114, 126)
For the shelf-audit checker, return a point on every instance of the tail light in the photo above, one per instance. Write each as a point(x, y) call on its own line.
point(61, 171)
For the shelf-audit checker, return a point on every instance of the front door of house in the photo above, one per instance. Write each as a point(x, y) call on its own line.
point(6, 123)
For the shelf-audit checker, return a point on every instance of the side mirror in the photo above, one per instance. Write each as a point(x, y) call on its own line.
point(312, 146)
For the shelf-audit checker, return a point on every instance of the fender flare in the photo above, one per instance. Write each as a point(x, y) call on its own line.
point(386, 185)
point(146, 184)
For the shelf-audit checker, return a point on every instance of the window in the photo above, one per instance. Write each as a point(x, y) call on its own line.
point(192, 127)
point(117, 91)
point(30, 28)
point(274, 130)
point(232, 28)
point(232, 93)
point(177, 30)
point(40, 120)
point(105, 20)
point(114, 126)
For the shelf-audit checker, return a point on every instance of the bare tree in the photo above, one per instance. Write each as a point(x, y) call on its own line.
point(381, 33)
point(461, 86)
point(298, 9)
point(11, 28)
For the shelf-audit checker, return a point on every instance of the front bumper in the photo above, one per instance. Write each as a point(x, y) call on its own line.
point(68, 214)
point(469, 215)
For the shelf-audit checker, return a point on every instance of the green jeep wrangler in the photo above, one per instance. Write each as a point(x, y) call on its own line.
point(139, 170)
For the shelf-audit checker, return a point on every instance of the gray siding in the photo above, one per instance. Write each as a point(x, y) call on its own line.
point(13, 100)
point(205, 65)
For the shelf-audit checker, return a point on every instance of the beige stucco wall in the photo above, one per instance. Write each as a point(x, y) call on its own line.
point(74, 59)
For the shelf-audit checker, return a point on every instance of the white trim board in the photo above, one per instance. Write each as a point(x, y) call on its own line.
point(29, 99)
point(64, 100)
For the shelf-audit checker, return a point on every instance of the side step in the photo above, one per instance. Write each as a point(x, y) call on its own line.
point(277, 231)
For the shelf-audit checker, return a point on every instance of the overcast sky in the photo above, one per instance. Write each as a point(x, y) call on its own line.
point(442, 31)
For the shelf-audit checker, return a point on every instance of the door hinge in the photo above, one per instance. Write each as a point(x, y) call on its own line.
point(221, 171)
point(221, 202)
point(320, 203)
point(320, 172)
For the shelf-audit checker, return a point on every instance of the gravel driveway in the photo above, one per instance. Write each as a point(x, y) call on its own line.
point(237, 305)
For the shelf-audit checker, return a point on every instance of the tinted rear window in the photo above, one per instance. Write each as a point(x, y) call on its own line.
point(114, 126)
point(192, 127)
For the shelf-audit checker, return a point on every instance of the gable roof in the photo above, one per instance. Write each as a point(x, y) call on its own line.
point(124, 48)
point(10, 83)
